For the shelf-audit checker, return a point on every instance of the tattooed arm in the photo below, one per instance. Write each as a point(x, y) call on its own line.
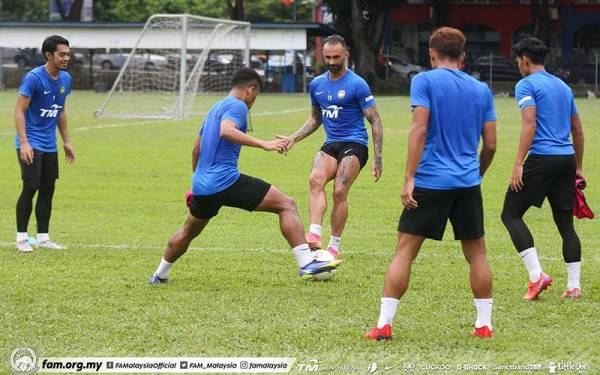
point(377, 132)
point(310, 125)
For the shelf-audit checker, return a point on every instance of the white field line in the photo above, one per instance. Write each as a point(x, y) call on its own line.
point(379, 252)
point(149, 122)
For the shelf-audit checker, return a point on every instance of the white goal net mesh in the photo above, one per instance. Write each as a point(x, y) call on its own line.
point(175, 59)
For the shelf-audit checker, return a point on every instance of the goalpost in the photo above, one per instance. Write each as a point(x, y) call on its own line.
point(176, 57)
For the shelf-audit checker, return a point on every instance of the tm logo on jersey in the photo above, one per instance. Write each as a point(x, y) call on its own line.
point(332, 111)
point(52, 112)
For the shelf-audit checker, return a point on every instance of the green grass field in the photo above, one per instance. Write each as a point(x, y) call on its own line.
point(236, 293)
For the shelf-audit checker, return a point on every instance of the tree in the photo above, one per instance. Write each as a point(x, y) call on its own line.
point(363, 23)
point(139, 11)
point(24, 10)
point(540, 13)
point(235, 9)
point(440, 9)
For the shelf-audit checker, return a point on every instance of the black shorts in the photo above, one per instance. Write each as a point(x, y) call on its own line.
point(43, 169)
point(340, 150)
point(545, 176)
point(246, 193)
point(464, 208)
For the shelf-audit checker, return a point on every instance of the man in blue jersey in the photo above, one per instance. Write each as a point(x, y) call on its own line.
point(39, 111)
point(217, 181)
point(341, 100)
point(451, 113)
point(549, 115)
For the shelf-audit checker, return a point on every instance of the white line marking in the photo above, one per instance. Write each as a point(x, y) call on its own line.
point(379, 252)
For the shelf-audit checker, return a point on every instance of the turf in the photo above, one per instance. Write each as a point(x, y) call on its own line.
point(236, 293)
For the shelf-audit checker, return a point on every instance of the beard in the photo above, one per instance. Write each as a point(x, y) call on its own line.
point(334, 68)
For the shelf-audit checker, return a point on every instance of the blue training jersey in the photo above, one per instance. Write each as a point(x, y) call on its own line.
point(217, 167)
point(458, 106)
point(47, 100)
point(554, 105)
point(342, 103)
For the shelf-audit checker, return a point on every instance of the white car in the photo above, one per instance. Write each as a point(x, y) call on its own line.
point(402, 67)
point(148, 61)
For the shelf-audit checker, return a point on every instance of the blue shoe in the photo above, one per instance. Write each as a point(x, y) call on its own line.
point(315, 267)
point(154, 279)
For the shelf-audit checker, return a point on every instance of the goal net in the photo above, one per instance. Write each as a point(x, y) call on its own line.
point(176, 58)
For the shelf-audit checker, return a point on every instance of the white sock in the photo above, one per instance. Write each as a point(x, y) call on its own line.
point(315, 229)
point(163, 269)
point(303, 255)
point(387, 312)
point(335, 242)
point(573, 270)
point(484, 312)
point(532, 263)
point(41, 237)
point(22, 236)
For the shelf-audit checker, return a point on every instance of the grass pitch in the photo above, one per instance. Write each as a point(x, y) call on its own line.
point(236, 293)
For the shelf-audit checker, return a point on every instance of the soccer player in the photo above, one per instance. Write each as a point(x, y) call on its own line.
point(451, 112)
point(548, 114)
point(40, 109)
point(217, 181)
point(340, 101)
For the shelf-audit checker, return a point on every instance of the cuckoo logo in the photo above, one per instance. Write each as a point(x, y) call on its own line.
point(52, 112)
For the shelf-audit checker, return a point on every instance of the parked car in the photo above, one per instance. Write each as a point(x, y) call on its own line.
point(116, 60)
point(26, 57)
point(503, 69)
point(401, 67)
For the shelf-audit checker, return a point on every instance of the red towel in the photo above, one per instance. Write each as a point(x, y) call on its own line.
point(580, 208)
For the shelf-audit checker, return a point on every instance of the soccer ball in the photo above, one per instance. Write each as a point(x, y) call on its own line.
point(323, 256)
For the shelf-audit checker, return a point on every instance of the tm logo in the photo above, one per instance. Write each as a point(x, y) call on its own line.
point(52, 112)
point(332, 111)
point(309, 368)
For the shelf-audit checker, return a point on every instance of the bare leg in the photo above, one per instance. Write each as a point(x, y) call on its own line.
point(346, 174)
point(289, 219)
point(180, 241)
point(398, 274)
point(323, 170)
point(481, 274)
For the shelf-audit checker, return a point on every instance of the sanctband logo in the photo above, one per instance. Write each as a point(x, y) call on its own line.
point(23, 360)
point(52, 112)
point(332, 111)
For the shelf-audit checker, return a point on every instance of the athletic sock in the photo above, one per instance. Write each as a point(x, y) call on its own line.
point(303, 255)
point(163, 269)
point(335, 243)
point(573, 270)
point(484, 312)
point(532, 263)
point(41, 237)
point(22, 236)
point(315, 229)
point(387, 312)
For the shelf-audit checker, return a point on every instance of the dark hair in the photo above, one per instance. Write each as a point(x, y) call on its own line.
point(532, 48)
point(246, 76)
point(335, 39)
point(448, 42)
point(51, 42)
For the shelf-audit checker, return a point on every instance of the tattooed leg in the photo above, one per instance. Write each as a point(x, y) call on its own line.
point(346, 175)
point(323, 171)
